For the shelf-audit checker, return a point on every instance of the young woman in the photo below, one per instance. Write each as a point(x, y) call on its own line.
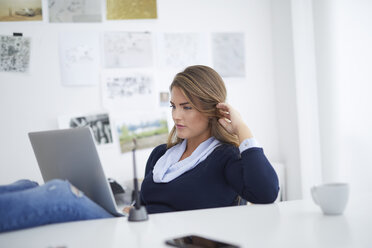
point(211, 157)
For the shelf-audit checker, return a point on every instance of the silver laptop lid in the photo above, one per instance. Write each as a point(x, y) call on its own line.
point(71, 154)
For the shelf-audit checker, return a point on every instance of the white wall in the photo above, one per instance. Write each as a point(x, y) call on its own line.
point(322, 58)
point(306, 94)
point(286, 102)
point(296, 94)
point(33, 101)
point(344, 58)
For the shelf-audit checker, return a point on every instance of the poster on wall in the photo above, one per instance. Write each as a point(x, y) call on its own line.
point(14, 53)
point(179, 50)
point(131, 9)
point(129, 90)
point(128, 49)
point(229, 54)
point(79, 58)
point(99, 123)
point(20, 10)
point(75, 11)
point(149, 129)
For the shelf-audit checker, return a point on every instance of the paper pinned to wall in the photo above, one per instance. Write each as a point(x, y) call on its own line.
point(79, 58)
point(148, 128)
point(14, 53)
point(20, 10)
point(99, 123)
point(75, 11)
point(131, 9)
point(229, 54)
point(164, 99)
point(128, 49)
point(179, 50)
point(128, 90)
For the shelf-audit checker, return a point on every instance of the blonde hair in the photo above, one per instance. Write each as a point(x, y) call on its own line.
point(204, 88)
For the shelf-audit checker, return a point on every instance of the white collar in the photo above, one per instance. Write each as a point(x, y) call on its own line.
point(168, 166)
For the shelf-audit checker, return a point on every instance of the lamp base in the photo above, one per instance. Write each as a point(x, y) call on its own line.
point(138, 214)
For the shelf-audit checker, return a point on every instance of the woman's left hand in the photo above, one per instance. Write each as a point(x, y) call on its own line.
point(233, 122)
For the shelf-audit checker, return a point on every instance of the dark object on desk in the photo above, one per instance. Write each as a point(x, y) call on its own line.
point(138, 212)
point(194, 241)
point(115, 187)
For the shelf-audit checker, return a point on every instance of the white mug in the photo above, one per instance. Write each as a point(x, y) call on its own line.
point(331, 197)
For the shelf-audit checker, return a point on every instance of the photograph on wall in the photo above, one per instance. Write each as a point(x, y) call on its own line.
point(149, 129)
point(14, 53)
point(229, 54)
point(128, 49)
point(79, 58)
point(20, 10)
point(164, 99)
point(99, 123)
point(131, 9)
point(133, 90)
point(179, 50)
point(75, 11)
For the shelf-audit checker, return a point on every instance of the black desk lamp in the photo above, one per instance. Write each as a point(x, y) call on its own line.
point(138, 212)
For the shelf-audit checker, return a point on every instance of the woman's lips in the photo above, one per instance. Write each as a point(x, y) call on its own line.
point(179, 126)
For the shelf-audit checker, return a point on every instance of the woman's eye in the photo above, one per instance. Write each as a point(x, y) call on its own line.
point(172, 106)
point(187, 108)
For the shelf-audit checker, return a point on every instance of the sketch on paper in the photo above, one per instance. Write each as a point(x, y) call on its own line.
point(131, 9)
point(75, 11)
point(20, 10)
point(179, 50)
point(14, 53)
point(79, 58)
point(127, 91)
point(99, 123)
point(148, 129)
point(229, 54)
point(127, 49)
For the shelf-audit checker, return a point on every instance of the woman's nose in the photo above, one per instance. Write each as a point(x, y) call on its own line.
point(176, 114)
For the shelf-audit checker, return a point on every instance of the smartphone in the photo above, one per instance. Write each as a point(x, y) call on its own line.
point(194, 241)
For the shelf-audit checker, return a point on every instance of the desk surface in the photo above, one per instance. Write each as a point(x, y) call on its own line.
point(285, 224)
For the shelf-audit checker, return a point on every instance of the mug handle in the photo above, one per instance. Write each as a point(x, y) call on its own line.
point(313, 194)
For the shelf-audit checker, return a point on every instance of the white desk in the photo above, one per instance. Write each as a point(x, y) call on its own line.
point(286, 224)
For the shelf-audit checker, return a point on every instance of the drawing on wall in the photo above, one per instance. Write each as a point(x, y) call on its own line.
point(179, 50)
point(127, 49)
point(20, 10)
point(75, 11)
point(79, 58)
point(229, 54)
point(127, 91)
point(149, 130)
point(131, 9)
point(14, 53)
point(99, 123)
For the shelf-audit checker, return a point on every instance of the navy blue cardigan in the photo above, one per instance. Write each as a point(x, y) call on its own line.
point(215, 182)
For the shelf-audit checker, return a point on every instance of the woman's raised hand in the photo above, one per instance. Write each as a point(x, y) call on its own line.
point(233, 122)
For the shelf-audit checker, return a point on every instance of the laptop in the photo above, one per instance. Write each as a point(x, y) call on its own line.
point(71, 154)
